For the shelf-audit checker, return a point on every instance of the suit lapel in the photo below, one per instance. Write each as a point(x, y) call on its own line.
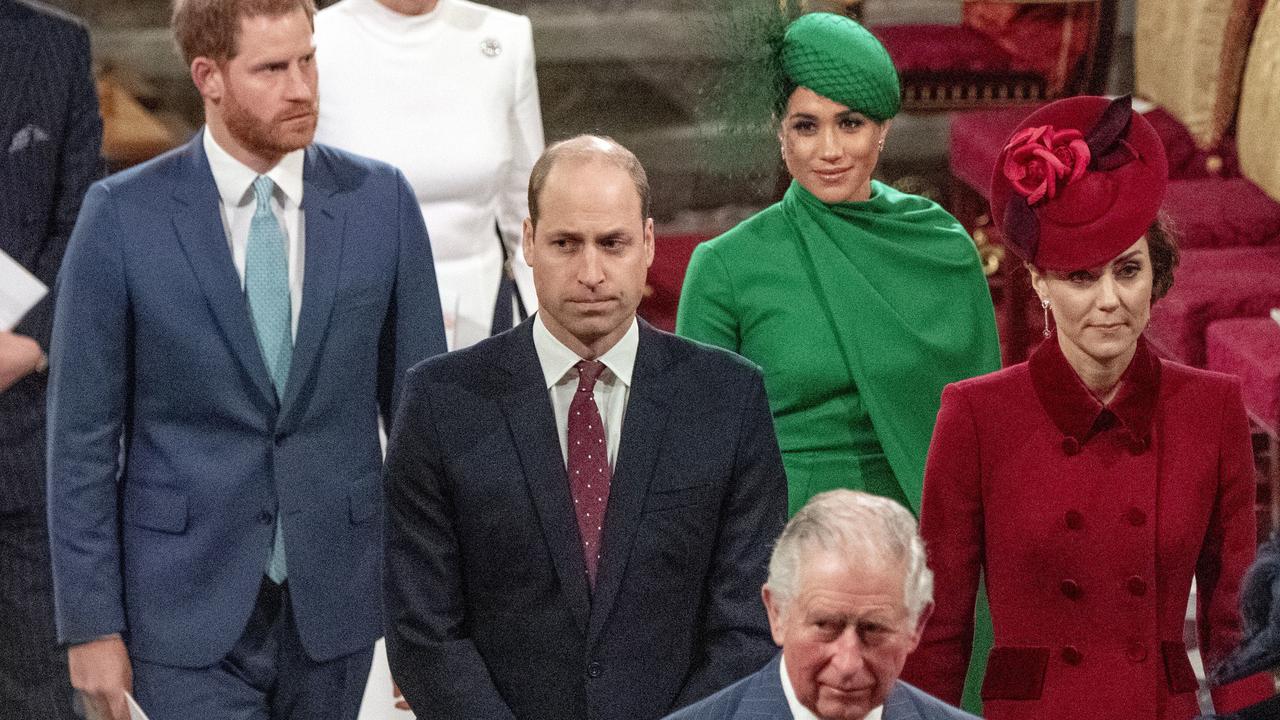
point(17, 58)
point(642, 433)
point(324, 224)
point(198, 222)
point(764, 699)
point(533, 428)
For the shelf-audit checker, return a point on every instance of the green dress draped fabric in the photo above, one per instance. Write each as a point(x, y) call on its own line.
point(858, 313)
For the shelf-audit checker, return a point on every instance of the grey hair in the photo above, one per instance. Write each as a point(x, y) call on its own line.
point(858, 525)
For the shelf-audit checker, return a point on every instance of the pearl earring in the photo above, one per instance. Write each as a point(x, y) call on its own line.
point(1044, 304)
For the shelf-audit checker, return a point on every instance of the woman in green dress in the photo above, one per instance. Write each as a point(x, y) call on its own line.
point(860, 302)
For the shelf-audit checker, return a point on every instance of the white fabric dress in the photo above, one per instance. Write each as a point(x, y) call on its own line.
point(450, 97)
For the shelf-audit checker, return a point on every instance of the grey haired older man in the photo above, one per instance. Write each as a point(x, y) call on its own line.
point(848, 596)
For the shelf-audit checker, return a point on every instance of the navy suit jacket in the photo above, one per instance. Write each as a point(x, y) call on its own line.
point(489, 610)
point(153, 343)
point(50, 140)
point(760, 697)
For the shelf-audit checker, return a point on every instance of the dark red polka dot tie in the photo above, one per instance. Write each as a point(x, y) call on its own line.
point(588, 466)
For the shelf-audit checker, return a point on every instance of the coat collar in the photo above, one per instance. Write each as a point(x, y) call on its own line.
point(1078, 414)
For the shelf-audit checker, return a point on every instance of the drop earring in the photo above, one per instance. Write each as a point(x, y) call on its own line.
point(1044, 304)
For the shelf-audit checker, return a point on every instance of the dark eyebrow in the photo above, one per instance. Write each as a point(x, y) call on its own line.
point(1128, 256)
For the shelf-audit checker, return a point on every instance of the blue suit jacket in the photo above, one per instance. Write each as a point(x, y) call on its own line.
point(489, 611)
point(50, 137)
point(153, 343)
point(759, 696)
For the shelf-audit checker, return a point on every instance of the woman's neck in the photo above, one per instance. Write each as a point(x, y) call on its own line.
point(1101, 377)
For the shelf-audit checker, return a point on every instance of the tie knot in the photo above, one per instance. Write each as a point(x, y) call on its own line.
point(588, 372)
point(262, 189)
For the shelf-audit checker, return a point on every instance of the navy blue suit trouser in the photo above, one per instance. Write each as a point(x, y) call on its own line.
point(266, 676)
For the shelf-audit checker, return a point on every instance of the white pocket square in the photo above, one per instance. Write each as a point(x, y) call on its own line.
point(26, 137)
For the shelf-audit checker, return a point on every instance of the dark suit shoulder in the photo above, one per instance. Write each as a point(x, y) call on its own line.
point(472, 365)
point(52, 19)
point(699, 355)
point(928, 706)
point(349, 169)
point(138, 183)
point(722, 704)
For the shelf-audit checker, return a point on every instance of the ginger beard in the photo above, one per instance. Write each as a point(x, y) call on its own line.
point(292, 129)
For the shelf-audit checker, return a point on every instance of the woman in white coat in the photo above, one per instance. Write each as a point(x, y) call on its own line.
point(445, 90)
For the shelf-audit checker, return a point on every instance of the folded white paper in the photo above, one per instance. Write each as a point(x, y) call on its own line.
point(135, 712)
point(1275, 314)
point(19, 292)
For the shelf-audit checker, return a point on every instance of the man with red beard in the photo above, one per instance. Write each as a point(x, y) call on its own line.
point(232, 321)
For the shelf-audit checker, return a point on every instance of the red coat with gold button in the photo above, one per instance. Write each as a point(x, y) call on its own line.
point(1089, 523)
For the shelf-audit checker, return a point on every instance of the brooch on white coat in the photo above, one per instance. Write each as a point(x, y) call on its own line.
point(491, 47)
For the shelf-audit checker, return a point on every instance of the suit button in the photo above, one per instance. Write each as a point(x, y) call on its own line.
point(1074, 519)
point(1071, 589)
point(280, 440)
point(1137, 586)
point(265, 517)
point(1136, 517)
point(1136, 652)
point(1137, 446)
point(1070, 445)
point(595, 670)
point(1071, 655)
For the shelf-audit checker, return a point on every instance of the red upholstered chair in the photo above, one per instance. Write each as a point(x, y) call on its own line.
point(1210, 285)
point(1004, 52)
point(1249, 348)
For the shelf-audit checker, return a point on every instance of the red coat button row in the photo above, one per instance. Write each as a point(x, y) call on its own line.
point(1135, 651)
point(1072, 589)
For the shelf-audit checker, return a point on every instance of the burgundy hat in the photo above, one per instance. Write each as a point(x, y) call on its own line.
point(1080, 180)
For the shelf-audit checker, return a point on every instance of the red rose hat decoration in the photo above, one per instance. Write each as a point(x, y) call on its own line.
point(1039, 160)
point(1078, 182)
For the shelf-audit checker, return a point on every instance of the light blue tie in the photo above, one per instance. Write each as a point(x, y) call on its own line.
point(266, 283)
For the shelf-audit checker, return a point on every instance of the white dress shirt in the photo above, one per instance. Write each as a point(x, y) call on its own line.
point(236, 200)
point(611, 391)
point(800, 712)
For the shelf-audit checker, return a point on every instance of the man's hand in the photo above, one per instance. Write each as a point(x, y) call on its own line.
point(19, 357)
point(100, 670)
point(401, 703)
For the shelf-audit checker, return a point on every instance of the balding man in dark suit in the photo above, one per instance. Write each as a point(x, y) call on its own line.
point(580, 509)
point(50, 135)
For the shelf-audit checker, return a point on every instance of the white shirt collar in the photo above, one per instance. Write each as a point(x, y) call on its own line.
point(557, 359)
point(235, 179)
point(800, 712)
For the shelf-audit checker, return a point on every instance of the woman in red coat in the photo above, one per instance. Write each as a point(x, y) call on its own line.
point(1091, 483)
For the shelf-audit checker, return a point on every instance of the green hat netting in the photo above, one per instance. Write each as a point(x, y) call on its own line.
point(839, 59)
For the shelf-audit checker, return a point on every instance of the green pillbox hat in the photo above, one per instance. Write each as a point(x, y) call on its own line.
point(839, 59)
